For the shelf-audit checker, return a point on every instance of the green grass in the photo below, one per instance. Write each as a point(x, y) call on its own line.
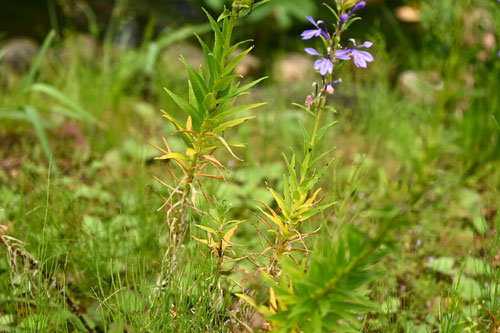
point(92, 222)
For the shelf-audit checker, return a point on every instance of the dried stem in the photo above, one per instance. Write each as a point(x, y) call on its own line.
point(16, 251)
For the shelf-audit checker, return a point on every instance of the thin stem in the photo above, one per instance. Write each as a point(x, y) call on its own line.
point(310, 151)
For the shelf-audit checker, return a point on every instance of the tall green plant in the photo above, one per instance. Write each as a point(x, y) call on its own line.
point(322, 295)
point(211, 110)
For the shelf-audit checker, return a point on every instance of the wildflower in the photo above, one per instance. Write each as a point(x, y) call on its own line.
point(328, 87)
point(308, 34)
point(358, 6)
point(360, 57)
point(345, 17)
point(325, 65)
point(309, 101)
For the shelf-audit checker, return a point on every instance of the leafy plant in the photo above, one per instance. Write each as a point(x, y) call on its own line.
point(210, 109)
point(326, 295)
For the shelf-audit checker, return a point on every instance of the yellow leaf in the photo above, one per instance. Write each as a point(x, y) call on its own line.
point(272, 301)
point(310, 201)
point(231, 123)
point(274, 219)
point(280, 202)
point(261, 308)
point(175, 156)
point(189, 124)
point(226, 240)
point(204, 241)
point(190, 152)
point(173, 120)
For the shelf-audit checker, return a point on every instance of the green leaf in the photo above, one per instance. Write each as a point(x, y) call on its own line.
point(14, 115)
point(213, 66)
point(223, 83)
point(199, 87)
point(231, 123)
point(390, 305)
point(443, 265)
point(219, 38)
point(207, 229)
point(468, 289)
point(30, 77)
point(477, 266)
point(308, 111)
point(37, 123)
point(235, 46)
point(334, 12)
point(188, 108)
point(480, 224)
point(209, 102)
point(323, 130)
point(238, 109)
point(76, 110)
point(233, 63)
point(248, 86)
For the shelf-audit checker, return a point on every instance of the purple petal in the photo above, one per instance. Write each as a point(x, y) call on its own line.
point(325, 32)
point(308, 34)
point(312, 51)
point(361, 58)
point(366, 55)
point(358, 6)
point(324, 66)
point(312, 21)
point(366, 44)
point(343, 54)
point(359, 61)
point(343, 19)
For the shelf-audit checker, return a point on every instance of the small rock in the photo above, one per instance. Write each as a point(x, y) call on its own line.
point(489, 41)
point(293, 67)
point(83, 45)
point(19, 52)
point(408, 14)
point(249, 66)
point(419, 86)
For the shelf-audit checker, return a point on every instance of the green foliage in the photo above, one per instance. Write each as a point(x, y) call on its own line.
point(327, 294)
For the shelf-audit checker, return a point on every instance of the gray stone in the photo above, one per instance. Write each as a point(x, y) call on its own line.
point(293, 67)
point(19, 52)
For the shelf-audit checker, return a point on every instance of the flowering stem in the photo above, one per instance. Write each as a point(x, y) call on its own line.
point(319, 112)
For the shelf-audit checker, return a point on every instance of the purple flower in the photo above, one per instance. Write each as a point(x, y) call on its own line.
point(345, 17)
point(328, 87)
point(324, 65)
point(358, 6)
point(308, 34)
point(361, 58)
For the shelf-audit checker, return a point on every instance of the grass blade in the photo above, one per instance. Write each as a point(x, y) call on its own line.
point(30, 77)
